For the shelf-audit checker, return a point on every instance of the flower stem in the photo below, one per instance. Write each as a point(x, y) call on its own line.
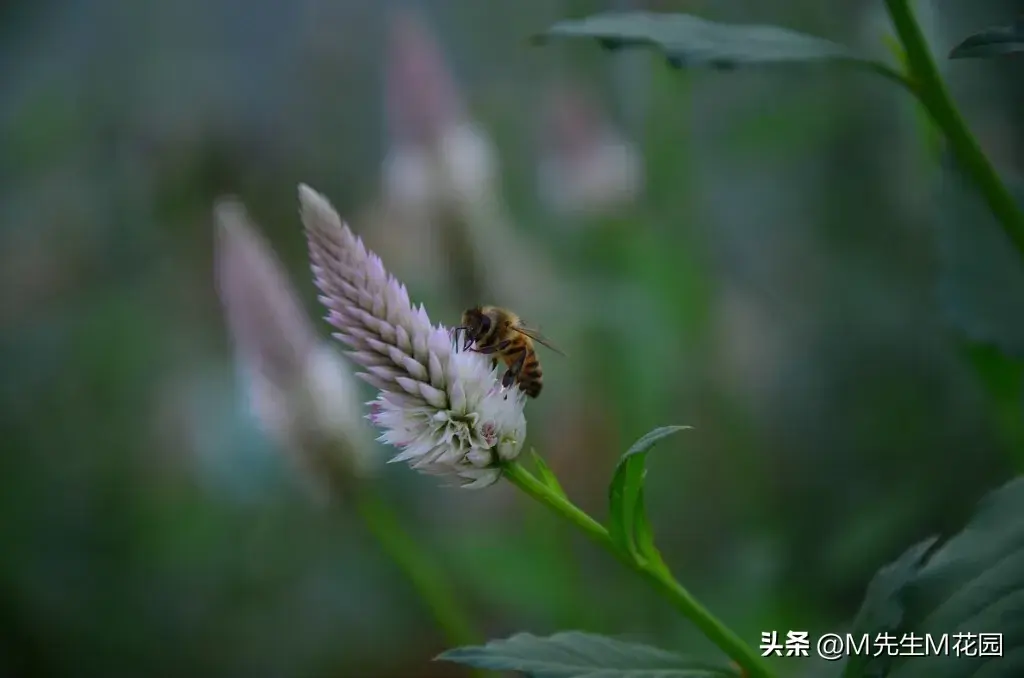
point(423, 574)
point(933, 95)
point(653, 572)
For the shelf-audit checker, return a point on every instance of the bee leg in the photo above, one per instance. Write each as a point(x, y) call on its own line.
point(513, 370)
point(487, 350)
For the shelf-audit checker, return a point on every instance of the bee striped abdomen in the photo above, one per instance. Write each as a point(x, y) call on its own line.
point(531, 378)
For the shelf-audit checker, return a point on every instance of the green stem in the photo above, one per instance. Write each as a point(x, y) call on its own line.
point(428, 580)
point(931, 91)
point(653, 572)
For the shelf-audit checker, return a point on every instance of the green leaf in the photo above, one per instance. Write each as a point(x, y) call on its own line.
point(981, 285)
point(643, 534)
point(972, 584)
point(992, 42)
point(895, 48)
point(882, 609)
point(547, 476)
point(625, 491)
point(688, 41)
point(574, 654)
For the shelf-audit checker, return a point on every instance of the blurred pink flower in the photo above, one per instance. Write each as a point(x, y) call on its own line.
point(422, 97)
point(438, 157)
point(587, 167)
point(299, 387)
point(443, 214)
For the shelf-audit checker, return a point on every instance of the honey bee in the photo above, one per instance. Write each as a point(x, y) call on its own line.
point(499, 331)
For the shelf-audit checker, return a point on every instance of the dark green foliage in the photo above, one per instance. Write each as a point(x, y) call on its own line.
point(982, 282)
point(882, 610)
point(975, 584)
point(994, 41)
point(972, 584)
point(689, 41)
point(627, 521)
point(574, 654)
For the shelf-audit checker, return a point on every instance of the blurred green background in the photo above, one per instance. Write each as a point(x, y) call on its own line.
point(765, 272)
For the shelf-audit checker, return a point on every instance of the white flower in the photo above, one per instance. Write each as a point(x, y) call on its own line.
point(299, 388)
point(444, 408)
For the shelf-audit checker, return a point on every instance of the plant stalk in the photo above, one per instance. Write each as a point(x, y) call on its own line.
point(731, 644)
point(427, 579)
point(933, 95)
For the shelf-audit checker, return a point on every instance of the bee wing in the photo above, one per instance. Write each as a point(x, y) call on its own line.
point(539, 338)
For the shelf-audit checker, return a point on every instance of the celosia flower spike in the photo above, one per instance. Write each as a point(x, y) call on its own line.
point(445, 409)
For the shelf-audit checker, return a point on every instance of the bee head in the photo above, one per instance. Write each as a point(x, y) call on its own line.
point(475, 322)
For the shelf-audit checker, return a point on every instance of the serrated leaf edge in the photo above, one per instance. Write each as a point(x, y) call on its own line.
point(576, 29)
point(470, 655)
